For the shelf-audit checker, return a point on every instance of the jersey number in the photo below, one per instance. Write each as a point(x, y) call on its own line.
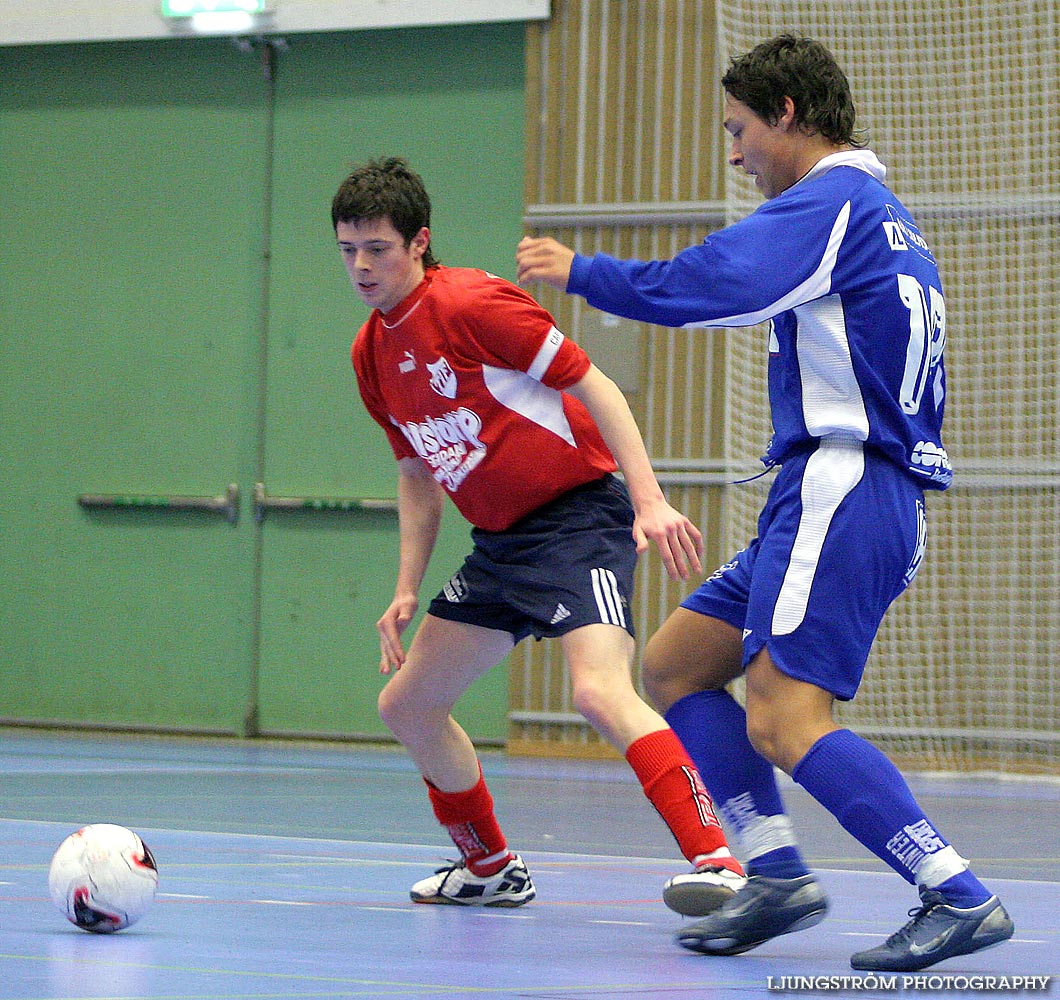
point(927, 338)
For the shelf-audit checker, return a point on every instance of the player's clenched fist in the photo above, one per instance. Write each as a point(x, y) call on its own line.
point(543, 259)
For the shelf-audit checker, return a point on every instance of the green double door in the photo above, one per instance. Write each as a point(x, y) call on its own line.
point(174, 320)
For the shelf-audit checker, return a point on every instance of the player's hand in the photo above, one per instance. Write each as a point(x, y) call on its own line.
point(543, 259)
point(391, 626)
point(679, 541)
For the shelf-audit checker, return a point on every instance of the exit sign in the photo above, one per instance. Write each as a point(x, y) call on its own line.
point(189, 8)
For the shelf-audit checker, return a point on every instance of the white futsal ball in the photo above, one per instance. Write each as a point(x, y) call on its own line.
point(103, 878)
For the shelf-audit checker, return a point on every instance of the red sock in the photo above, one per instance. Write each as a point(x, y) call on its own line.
point(468, 817)
point(674, 787)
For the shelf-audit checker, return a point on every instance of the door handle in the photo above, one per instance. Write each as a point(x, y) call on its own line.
point(264, 503)
point(227, 503)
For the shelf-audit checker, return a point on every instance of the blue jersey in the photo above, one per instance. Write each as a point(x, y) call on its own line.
point(852, 293)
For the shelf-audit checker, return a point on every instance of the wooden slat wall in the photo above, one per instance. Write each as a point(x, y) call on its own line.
point(625, 155)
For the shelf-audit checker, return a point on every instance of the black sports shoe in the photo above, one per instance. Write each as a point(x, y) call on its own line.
point(763, 909)
point(938, 931)
point(456, 885)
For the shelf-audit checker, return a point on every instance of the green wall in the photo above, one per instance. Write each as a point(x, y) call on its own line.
point(174, 317)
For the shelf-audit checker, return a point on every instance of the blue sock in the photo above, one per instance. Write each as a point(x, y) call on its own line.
point(963, 890)
point(858, 785)
point(713, 727)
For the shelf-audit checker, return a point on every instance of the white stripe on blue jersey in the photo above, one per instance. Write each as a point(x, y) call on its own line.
point(831, 473)
point(853, 293)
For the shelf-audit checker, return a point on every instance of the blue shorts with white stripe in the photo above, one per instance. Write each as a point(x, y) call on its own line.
point(842, 534)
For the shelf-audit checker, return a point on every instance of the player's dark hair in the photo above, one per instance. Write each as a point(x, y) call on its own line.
point(386, 189)
point(805, 71)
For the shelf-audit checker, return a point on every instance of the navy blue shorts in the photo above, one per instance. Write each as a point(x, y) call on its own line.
point(570, 563)
point(842, 534)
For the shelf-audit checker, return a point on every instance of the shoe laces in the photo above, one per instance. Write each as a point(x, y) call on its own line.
point(929, 899)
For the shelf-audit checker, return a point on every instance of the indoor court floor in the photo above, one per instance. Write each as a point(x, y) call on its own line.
point(285, 870)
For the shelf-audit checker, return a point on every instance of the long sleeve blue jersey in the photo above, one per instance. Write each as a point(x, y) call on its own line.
point(852, 292)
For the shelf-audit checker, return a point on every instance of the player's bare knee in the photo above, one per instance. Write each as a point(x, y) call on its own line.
point(662, 693)
point(766, 737)
point(779, 740)
point(652, 675)
point(587, 702)
point(385, 706)
point(664, 681)
point(398, 713)
point(595, 703)
point(411, 716)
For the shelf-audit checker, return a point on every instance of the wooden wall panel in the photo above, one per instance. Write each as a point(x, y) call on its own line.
point(624, 156)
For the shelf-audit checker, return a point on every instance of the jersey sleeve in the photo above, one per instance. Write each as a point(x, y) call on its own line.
point(512, 330)
point(738, 276)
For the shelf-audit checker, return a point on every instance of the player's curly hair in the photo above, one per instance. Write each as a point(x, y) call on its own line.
point(386, 189)
point(805, 71)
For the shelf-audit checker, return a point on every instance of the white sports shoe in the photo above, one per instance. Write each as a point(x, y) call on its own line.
point(455, 885)
point(695, 894)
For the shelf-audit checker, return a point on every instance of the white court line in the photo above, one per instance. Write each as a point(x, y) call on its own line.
point(491, 913)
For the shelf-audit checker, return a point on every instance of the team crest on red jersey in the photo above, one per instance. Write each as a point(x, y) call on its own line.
point(443, 378)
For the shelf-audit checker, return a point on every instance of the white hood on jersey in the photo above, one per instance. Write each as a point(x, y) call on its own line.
point(863, 159)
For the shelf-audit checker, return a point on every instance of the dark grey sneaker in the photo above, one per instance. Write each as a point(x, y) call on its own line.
point(937, 931)
point(763, 909)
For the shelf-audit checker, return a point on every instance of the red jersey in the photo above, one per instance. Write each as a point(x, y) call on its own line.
point(467, 372)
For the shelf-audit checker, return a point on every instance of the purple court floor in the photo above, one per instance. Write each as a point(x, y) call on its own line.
point(285, 871)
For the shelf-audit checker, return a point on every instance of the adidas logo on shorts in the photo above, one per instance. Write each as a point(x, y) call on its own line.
point(456, 589)
point(560, 613)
